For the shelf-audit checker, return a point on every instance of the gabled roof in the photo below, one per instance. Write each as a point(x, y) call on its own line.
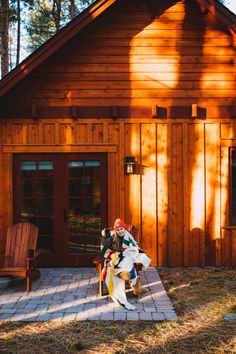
point(212, 9)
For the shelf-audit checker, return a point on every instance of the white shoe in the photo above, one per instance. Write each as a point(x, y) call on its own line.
point(128, 306)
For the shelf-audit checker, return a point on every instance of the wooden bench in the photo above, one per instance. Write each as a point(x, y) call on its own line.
point(20, 253)
point(99, 260)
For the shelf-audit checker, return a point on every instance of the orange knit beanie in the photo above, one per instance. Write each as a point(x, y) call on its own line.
point(119, 223)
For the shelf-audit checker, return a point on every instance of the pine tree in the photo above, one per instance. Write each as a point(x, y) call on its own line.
point(72, 9)
point(47, 17)
point(4, 36)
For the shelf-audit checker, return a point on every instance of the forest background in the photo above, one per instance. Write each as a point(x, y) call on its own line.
point(26, 24)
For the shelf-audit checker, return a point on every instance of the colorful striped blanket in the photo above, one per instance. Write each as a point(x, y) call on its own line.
point(116, 262)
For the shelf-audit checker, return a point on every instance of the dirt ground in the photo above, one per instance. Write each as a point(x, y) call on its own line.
point(200, 297)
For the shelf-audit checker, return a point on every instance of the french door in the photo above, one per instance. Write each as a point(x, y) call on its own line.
point(65, 195)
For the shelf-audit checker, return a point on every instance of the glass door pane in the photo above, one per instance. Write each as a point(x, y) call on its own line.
point(84, 206)
point(36, 202)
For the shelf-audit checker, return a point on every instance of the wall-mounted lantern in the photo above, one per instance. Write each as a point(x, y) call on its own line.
point(130, 165)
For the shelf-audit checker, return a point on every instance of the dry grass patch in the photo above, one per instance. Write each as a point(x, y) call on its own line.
point(200, 296)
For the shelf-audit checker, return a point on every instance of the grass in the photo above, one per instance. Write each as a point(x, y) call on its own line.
point(200, 297)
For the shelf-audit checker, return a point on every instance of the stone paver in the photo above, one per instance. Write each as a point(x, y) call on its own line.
point(72, 294)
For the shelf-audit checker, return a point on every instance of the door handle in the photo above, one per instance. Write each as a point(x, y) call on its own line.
point(65, 215)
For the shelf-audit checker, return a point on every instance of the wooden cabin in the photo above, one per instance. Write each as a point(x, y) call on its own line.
point(129, 111)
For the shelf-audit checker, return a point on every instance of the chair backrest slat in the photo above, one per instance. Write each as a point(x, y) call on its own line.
point(18, 249)
point(24, 243)
point(20, 238)
point(10, 244)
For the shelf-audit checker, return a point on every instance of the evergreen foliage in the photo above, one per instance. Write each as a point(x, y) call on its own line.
point(34, 20)
point(46, 17)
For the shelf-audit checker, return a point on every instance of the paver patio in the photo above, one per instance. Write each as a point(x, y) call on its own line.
point(63, 294)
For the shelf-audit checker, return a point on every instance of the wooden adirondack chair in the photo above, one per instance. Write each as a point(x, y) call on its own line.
point(20, 253)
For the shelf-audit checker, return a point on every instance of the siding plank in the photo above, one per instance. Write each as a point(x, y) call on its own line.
point(81, 133)
point(226, 247)
point(162, 193)
point(66, 134)
point(113, 133)
point(233, 243)
point(121, 177)
point(17, 133)
point(196, 191)
point(33, 134)
point(149, 182)
point(176, 238)
point(49, 136)
point(112, 189)
point(132, 182)
point(97, 133)
point(224, 186)
point(212, 193)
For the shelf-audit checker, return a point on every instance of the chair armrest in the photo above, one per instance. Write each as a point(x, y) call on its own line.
point(98, 259)
point(31, 261)
point(37, 253)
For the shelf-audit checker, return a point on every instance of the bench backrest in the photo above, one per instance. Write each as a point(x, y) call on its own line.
point(20, 238)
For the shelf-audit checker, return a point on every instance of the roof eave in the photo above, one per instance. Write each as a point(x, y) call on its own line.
point(213, 9)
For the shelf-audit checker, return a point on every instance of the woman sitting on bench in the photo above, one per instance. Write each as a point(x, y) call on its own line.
point(121, 252)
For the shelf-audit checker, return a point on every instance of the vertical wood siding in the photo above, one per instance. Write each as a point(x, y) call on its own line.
point(132, 184)
point(178, 197)
point(148, 188)
point(212, 192)
point(162, 194)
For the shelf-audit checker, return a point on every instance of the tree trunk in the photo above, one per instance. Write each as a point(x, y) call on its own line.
point(18, 33)
point(72, 9)
point(56, 12)
point(4, 28)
